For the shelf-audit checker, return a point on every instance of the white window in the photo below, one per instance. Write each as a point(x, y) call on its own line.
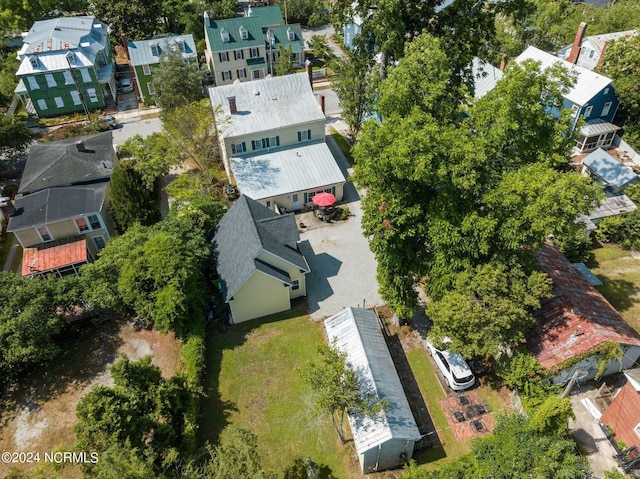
point(238, 54)
point(226, 75)
point(155, 49)
point(99, 242)
point(244, 33)
point(605, 110)
point(273, 141)
point(258, 145)
point(44, 234)
point(33, 83)
point(86, 77)
point(587, 112)
point(94, 221)
point(151, 88)
point(180, 44)
point(93, 97)
point(90, 223)
point(294, 198)
point(59, 102)
point(42, 104)
point(71, 58)
point(304, 135)
point(242, 73)
point(146, 70)
point(68, 79)
point(51, 82)
point(224, 56)
point(295, 285)
point(268, 204)
point(238, 148)
point(75, 96)
point(606, 91)
point(254, 52)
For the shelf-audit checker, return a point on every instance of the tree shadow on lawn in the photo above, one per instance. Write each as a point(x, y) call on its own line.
point(620, 293)
point(301, 469)
point(85, 351)
point(215, 411)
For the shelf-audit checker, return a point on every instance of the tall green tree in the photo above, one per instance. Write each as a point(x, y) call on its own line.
point(178, 80)
point(15, 138)
point(8, 81)
point(137, 19)
point(149, 157)
point(337, 387)
point(446, 195)
point(131, 202)
point(320, 47)
point(284, 64)
point(622, 64)
point(18, 16)
point(354, 83)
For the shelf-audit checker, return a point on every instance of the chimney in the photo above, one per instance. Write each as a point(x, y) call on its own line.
point(309, 68)
point(602, 53)
point(232, 104)
point(249, 11)
point(321, 98)
point(502, 64)
point(80, 145)
point(577, 42)
point(207, 21)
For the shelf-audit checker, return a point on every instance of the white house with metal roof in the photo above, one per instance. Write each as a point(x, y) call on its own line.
point(386, 441)
point(591, 48)
point(592, 97)
point(272, 138)
point(485, 77)
point(144, 57)
point(608, 170)
point(66, 65)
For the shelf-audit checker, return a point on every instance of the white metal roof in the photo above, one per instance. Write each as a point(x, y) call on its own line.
point(357, 332)
point(485, 77)
point(141, 54)
point(597, 42)
point(588, 83)
point(56, 61)
point(266, 104)
point(609, 169)
point(286, 171)
point(597, 127)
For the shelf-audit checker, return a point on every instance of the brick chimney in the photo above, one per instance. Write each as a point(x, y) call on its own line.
point(309, 68)
point(503, 63)
point(601, 59)
point(80, 145)
point(577, 42)
point(232, 104)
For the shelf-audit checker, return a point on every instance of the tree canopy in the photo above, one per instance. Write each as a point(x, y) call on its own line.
point(458, 202)
point(14, 137)
point(179, 81)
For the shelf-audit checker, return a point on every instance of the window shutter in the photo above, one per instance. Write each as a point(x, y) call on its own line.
point(306, 200)
point(244, 147)
point(253, 145)
point(299, 136)
point(265, 142)
point(277, 141)
point(308, 135)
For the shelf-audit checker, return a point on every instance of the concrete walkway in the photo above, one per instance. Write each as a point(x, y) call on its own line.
point(589, 435)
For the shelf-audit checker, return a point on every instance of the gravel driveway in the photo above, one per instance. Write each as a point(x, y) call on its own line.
point(343, 269)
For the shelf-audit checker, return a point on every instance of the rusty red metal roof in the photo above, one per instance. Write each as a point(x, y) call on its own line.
point(623, 415)
point(51, 256)
point(577, 319)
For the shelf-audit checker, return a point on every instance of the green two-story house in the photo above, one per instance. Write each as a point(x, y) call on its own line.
point(66, 65)
point(144, 57)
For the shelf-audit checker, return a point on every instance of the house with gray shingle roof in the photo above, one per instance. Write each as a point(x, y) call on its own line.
point(66, 65)
point(247, 48)
point(144, 58)
point(258, 261)
point(62, 204)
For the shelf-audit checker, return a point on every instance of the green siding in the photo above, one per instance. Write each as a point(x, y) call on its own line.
point(145, 96)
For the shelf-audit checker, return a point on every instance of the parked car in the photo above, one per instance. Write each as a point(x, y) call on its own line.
point(457, 373)
point(109, 121)
point(125, 85)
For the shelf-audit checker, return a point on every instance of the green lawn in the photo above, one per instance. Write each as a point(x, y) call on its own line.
point(619, 270)
point(343, 144)
point(433, 393)
point(253, 383)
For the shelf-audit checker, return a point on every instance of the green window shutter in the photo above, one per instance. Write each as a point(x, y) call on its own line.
point(244, 147)
point(265, 142)
point(299, 136)
point(308, 135)
point(277, 141)
point(306, 200)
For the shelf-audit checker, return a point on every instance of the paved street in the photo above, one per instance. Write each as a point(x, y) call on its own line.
point(129, 127)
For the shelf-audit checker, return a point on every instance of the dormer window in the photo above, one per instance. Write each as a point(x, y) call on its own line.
point(244, 33)
point(224, 34)
point(180, 44)
point(71, 58)
point(291, 35)
point(271, 37)
point(155, 49)
point(34, 62)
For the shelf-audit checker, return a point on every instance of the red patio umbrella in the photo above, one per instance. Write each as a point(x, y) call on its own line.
point(323, 199)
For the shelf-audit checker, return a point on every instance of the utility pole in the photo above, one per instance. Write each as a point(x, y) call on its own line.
point(75, 82)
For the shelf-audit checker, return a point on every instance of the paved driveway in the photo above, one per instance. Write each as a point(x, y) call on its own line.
point(343, 269)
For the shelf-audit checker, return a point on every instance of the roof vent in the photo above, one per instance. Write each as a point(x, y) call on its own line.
point(232, 104)
point(256, 92)
point(80, 145)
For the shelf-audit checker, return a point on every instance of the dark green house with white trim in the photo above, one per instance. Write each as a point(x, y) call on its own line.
point(66, 65)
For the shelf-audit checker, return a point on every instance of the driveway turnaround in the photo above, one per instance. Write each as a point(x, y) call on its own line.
point(343, 269)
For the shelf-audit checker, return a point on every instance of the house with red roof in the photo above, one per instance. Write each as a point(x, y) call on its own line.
point(576, 321)
point(623, 414)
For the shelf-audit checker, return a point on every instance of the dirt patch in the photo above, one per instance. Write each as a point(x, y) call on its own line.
point(38, 414)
